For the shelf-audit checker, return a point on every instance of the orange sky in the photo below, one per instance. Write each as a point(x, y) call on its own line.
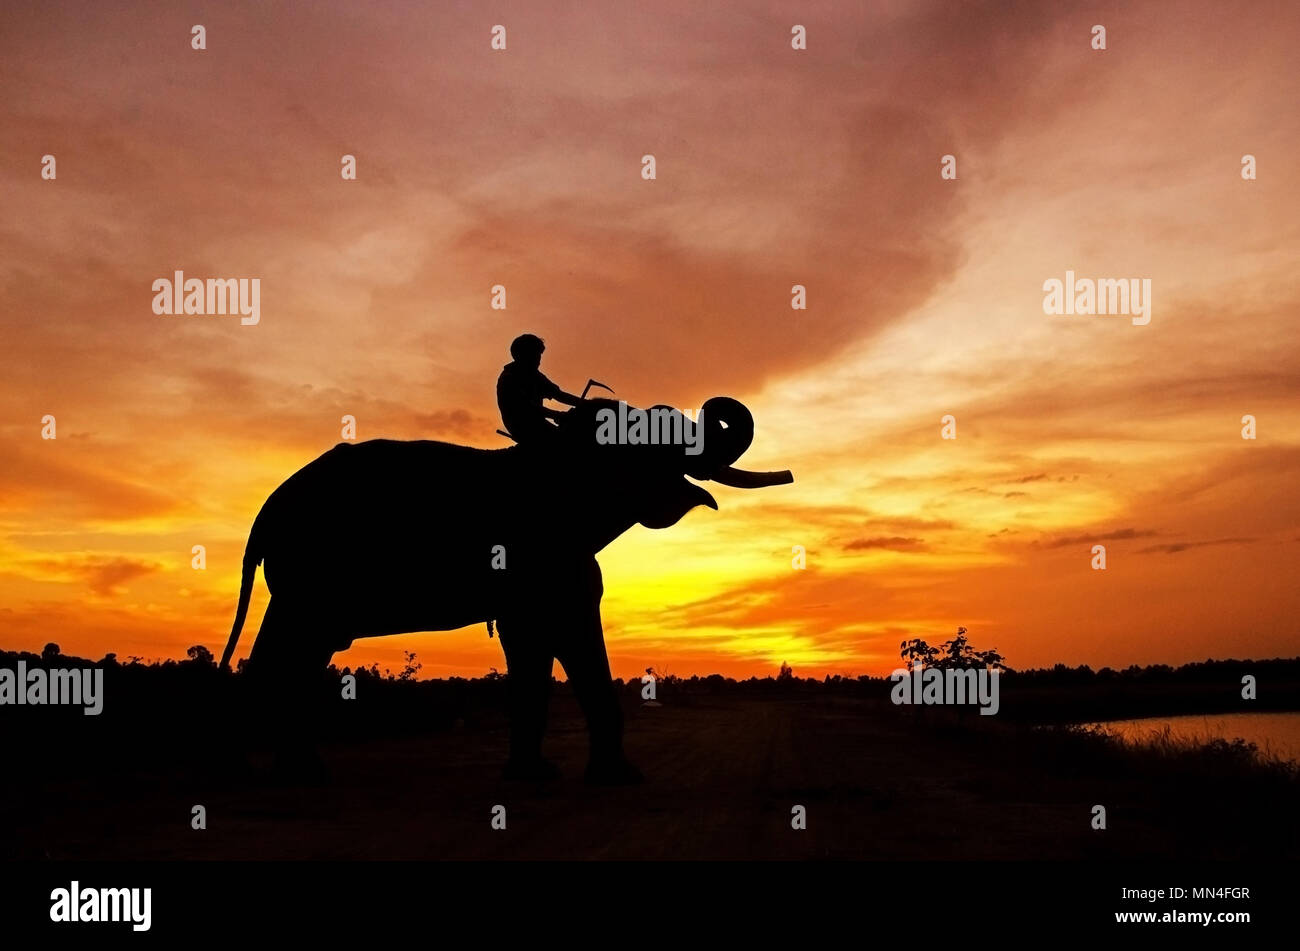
point(775, 168)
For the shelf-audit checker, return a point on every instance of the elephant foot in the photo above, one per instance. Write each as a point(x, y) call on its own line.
point(538, 768)
point(613, 771)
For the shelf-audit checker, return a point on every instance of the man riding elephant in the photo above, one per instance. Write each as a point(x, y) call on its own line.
point(387, 537)
point(522, 389)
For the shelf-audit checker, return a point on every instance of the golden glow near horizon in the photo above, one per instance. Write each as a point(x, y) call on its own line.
point(774, 168)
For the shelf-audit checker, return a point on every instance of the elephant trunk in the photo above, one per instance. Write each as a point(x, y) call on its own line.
point(728, 432)
point(745, 479)
point(728, 429)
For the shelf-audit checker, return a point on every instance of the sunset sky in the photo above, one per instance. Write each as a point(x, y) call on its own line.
point(775, 167)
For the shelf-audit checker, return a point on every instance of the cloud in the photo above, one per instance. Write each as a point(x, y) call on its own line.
point(775, 168)
point(888, 543)
point(104, 575)
point(1175, 547)
point(82, 482)
point(1122, 534)
point(455, 422)
point(903, 523)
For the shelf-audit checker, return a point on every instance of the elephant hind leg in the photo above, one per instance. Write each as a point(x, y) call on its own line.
point(284, 670)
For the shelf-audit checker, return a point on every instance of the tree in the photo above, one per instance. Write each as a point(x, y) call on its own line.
point(917, 653)
point(201, 656)
point(953, 654)
point(786, 673)
point(411, 668)
point(50, 652)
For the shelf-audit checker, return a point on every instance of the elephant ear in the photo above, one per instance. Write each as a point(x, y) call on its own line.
point(665, 507)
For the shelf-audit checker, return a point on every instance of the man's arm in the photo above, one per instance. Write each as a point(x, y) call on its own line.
point(560, 397)
point(563, 397)
point(553, 392)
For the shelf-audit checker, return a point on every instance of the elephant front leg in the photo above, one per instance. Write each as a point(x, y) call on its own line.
point(586, 663)
point(528, 669)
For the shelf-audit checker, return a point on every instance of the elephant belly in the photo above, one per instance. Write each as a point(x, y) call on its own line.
point(378, 598)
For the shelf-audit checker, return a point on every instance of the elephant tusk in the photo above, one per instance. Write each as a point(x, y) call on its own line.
point(745, 479)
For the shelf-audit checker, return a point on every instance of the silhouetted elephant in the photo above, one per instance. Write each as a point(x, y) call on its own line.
point(388, 537)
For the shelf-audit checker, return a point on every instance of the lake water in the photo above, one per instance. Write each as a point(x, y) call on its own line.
point(1276, 733)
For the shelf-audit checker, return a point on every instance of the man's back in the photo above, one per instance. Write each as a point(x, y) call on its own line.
point(520, 392)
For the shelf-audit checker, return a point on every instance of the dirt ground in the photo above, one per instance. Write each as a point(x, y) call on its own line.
point(723, 777)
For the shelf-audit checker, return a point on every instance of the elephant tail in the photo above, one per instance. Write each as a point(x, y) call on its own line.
point(252, 558)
